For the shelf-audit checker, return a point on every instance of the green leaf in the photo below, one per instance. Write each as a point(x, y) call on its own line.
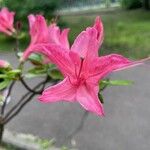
point(13, 73)
point(101, 98)
point(36, 72)
point(32, 75)
point(116, 82)
point(55, 74)
point(3, 76)
point(103, 85)
point(4, 84)
point(36, 59)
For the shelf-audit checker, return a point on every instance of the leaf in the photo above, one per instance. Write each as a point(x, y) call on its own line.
point(55, 74)
point(13, 73)
point(3, 76)
point(117, 82)
point(101, 98)
point(4, 84)
point(36, 72)
point(103, 85)
point(36, 59)
point(31, 75)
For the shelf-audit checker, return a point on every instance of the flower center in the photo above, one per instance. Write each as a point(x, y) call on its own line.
point(79, 76)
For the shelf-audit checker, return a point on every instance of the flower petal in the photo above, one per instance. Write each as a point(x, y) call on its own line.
point(64, 38)
point(6, 21)
point(61, 91)
point(58, 37)
point(86, 43)
point(88, 98)
point(35, 48)
point(4, 64)
point(100, 30)
point(38, 30)
point(61, 58)
point(104, 65)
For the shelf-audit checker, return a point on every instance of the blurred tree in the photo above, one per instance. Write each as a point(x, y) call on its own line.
point(146, 4)
point(131, 4)
point(25, 7)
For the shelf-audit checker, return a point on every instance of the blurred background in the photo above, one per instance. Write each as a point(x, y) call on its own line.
point(126, 22)
point(127, 32)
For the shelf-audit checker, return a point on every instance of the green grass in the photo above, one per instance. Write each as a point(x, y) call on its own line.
point(126, 32)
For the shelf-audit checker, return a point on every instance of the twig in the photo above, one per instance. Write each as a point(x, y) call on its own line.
point(21, 100)
point(27, 87)
point(19, 109)
point(80, 126)
point(8, 94)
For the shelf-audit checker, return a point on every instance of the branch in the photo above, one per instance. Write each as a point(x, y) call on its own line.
point(8, 94)
point(21, 100)
point(18, 107)
point(28, 88)
point(6, 120)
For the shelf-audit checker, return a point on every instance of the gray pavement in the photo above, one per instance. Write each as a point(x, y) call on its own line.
point(126, 125)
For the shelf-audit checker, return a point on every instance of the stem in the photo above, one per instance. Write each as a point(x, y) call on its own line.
point(18, 107)
point(3, 110)
point(16, 49)
point(28, 88)
point(5, 101)
point(1, 132)
point(21, 100)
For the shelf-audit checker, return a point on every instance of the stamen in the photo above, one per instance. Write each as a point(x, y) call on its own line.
point(80, 67)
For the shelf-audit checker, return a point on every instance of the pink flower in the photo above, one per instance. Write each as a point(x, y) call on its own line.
point(6, 21)
point(42, 34)
point(4, 64)
point(82, 69)
point(57, 36)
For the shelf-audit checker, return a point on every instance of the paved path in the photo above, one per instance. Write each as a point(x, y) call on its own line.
point(126, 125)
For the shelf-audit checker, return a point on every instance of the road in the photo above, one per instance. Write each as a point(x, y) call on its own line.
point(126, 125)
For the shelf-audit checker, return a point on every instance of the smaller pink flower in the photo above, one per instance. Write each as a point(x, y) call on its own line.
point(57, 36)
point(6, 21)
point(41, 34)
point(4, 64)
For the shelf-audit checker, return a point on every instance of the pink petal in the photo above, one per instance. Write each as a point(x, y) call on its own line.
point(62, 91)
point(35, 48)
point(100, 30)
point(3, 64)
point(38, 30)
point(6, 21)
point(104, 65)
point(87, 97)
point(61, 58)
point(64, 38)
point(58, 37)
point(86, 43)
point(31, 19)
point(54, 34)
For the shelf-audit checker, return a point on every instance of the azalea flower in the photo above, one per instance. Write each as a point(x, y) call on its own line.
point(6, 21)
point(82, 70)
point(41, 34)
point(4, 64)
